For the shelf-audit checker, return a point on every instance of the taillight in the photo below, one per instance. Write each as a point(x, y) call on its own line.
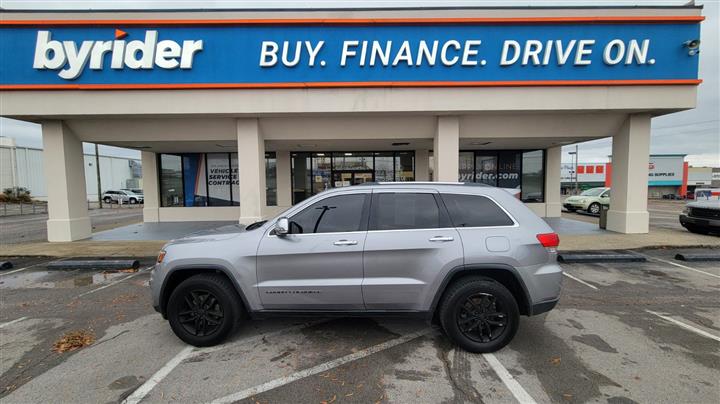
point(549, 240)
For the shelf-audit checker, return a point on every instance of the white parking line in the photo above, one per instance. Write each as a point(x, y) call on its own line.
point(579, 280)
point(273, 384)
point(17, 320)
point(113, 283)
point(515, 388)
point(187, 352)
point(686, 326)
point(23, 268)
point(678, 265)
point(153, 381)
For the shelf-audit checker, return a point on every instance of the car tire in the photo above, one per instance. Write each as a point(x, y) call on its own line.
point(594, 208)
point(191, 318)
point(133, 201)
point(469, 301)
point(107, 199)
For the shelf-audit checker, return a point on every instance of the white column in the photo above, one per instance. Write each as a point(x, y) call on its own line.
point(151, 187)
point(630, 156)
point(422, 165)
point(68, 218)
point(552, 181)
point(251, 170)
point(446, 149)
point(284, 182)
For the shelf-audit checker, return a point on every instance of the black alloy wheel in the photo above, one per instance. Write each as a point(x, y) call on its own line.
point(204, 309)
point(201, 314)
point(479, 314)
point(480, 318)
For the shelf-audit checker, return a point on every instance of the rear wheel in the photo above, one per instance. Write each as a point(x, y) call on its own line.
point(594, 208)
point(479, 314)
point(204, 309)
point(107, 199)
point(133, 201)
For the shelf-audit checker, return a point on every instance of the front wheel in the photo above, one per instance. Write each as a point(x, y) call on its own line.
point(479, 314)
point(107, 199)
point(594, 208)
point(203, 310)
point(133, 201)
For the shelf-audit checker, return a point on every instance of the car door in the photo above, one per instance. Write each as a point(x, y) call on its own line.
point(410, 242)
point(318, 266)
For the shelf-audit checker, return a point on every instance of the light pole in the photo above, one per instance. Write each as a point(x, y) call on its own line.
point(575, 158)
point(97, 173)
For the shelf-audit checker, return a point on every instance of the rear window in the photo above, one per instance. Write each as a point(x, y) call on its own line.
point(475, 211)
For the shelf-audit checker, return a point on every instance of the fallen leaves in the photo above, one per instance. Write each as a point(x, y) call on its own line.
point(74, 340)
point(555, 360)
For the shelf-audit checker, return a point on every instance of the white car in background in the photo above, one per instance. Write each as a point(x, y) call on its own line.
point(123, 196)
point(590, 200)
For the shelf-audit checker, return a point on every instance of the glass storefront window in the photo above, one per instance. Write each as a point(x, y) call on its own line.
point(466, 165)
point(207, 179)
point(321, 171)
point(219, 179)
point(509, 169)
point(171, 180)
point(270, 179)
point(301, 176)
point(195, 183)
point(234, 179)
point(486, 169)
point(506, 169)
point(532, 176)
point(384, 167)
point(405, 166)
point(316, 172)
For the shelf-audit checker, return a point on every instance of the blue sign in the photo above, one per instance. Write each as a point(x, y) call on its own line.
point(214, 56)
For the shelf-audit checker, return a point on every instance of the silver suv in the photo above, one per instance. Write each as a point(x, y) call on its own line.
point(472, 258)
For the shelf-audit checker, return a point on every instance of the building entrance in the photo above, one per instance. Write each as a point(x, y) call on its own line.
point(347, 178)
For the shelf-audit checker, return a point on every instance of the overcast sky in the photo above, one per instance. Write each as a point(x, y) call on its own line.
point(695, 132)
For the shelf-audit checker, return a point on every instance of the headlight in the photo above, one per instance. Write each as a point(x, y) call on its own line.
point(161, 256)
point(581, 200)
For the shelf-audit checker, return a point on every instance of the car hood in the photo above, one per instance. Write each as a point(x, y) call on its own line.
point(218, 233)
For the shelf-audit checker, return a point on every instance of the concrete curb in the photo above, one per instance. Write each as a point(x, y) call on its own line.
point(599, 257)
point(94, 264)
point(698, 256)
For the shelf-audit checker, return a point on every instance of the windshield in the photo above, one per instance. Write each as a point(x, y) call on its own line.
point(593, 192)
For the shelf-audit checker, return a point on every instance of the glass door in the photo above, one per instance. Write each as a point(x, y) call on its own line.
point(347, 178)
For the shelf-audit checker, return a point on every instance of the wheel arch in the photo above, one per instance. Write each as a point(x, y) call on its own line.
point(504, 274)
point(178, 274)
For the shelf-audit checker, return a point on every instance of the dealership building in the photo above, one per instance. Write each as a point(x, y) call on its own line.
point(239, 114)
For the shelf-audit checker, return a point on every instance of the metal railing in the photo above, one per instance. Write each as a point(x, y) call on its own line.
point(15, 209)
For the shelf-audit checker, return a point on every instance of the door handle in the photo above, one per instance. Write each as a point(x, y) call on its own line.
point(345, 242)
point(441, 239)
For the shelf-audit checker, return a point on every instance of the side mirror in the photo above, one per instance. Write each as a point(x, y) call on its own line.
point(281, 227)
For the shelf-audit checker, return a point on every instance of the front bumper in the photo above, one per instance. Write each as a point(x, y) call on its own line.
point(574, 206)
point(686, 220)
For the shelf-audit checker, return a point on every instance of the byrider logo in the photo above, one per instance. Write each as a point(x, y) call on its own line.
point(71, 61)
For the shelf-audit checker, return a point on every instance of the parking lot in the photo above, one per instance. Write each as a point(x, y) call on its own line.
point(622, 333)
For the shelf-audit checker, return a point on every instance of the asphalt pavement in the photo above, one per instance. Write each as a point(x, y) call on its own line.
point(30, 228)
point(622, 333)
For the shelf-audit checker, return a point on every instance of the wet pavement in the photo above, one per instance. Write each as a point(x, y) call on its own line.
point(622, 333)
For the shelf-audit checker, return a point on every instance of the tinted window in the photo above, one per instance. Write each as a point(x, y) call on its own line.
point(334, 214)
point(405, 211)
point(475, 211)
